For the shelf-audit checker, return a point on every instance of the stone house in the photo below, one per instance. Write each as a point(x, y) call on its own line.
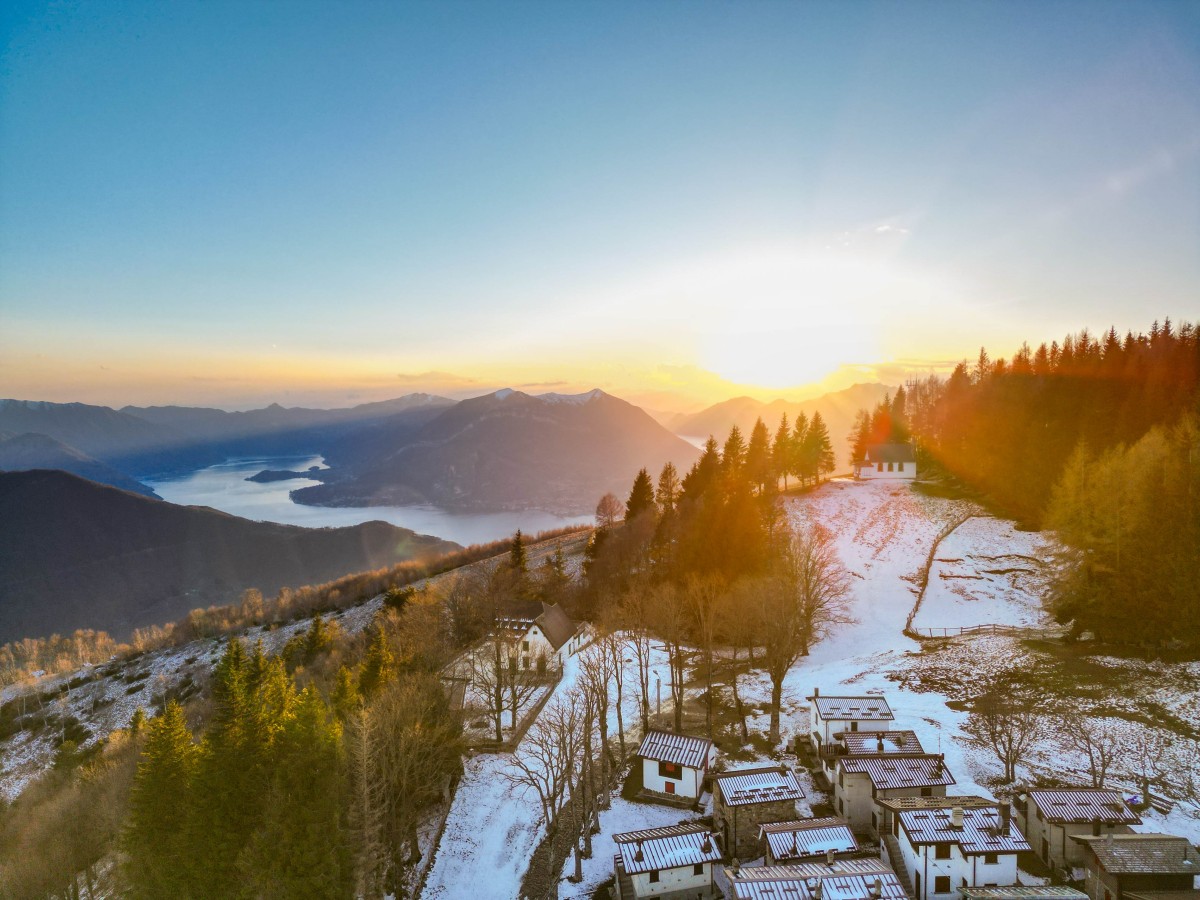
point(746, 799)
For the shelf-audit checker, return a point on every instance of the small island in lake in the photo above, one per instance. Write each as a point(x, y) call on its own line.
point(268, 475)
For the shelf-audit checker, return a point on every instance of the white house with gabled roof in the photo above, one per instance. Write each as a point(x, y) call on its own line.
point(675, 764)
point(672, 862)
point(941, 844)
point(895, 461)
point(843, 879)
point(830, 716)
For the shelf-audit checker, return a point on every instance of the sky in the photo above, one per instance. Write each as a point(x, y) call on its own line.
point(323, 203)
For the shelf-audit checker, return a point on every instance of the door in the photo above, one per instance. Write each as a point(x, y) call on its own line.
point(917, 884)
point(670, 787)
point(1046, 850)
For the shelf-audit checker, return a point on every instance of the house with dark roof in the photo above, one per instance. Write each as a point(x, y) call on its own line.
point(941, 844)
point(746, 799)
point(806, 840)
point(541, 633)
point(666, 863)
point(843, 879)
point(1023, 892)
point(675, 765)
point(887, 461)
point(829, 717)
point(862, 782)
point(1050, 819)
point(1120, 865)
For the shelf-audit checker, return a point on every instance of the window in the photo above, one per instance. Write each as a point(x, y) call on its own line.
point(991, 859)
point(698, 869)
point(524, 662)
point(891, 467)
point(926, 792)
point(878, 467)
point(941, 884)
point(900, 467)
point(525, 646)
point(670, 770)
point(854, 726)
point(941, 851)
point(654, 877)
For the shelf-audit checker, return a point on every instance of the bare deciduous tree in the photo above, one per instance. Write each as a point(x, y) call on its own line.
point(609, 511)
point(703, 596)
point(1097, 740)
point(1006, 724)
point(548, 759)
point(669, 619)
point(635, 615)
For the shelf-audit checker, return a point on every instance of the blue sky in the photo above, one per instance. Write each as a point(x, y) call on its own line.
point(231, 203)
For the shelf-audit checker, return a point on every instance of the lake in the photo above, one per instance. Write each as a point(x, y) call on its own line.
point(225, 487)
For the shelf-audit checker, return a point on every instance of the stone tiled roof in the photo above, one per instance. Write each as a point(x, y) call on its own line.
point(682, 749)
point(1083, 805)
point(1156, 854)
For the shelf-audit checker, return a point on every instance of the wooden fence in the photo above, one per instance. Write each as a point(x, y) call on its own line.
point(1030, 631)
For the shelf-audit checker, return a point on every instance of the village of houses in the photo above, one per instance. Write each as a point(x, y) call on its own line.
point(854, 805)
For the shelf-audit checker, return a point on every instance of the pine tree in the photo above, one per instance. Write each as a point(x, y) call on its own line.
point(301, 849)
point(377, 667)
point(705, 473)
point(860, 436)
point(137, 722)
point(758, 456)
point(346, 698)
point(818, 450)
point(733, 454)
point(796, 459)
point(155, 835)
point(517, 559)
point(781, 450)
point(667, 495)
point(641, 496)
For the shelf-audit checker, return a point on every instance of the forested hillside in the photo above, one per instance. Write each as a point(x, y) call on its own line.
point(1096, 438)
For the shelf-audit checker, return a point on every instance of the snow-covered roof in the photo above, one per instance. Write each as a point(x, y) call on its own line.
point(849, 708)
point(741, 787)
point(666, 848)
point(889, 453)
point(1023, 892)
point(1157, 854)
point(1083, 805)
point(808, 837)
point(846, 879)
point(681, 749)
point(928, 820)
point(863, 743)
point(892, 772)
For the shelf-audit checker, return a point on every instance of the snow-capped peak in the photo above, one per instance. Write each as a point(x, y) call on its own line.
point(574, 399)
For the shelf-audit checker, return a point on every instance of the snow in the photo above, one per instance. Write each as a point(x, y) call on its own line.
point(985, 572)
point(572, 399)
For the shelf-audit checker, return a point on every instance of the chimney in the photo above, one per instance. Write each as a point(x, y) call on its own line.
point(1095, 828)
point(818, 891)
point(956, 817)
point(816, 693)
point(1005, 817)
point(879, 743)
point(937, 766)
point(706, 845)
point(638, 857)
point(830, 855)
point(1109, 840)
point(876, 890)
point(736, 866)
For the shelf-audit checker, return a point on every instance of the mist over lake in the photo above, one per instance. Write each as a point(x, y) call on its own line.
point(225, 487)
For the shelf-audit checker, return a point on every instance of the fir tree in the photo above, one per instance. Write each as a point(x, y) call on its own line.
point(517, 559)
point(758, 456)
point(377, 667)
point(641, 496)
point(733, 454)
point(346, 698)
point(818, 450)
point(155, 839)
point(301, 848)
point(781, 450)
point(667, 495)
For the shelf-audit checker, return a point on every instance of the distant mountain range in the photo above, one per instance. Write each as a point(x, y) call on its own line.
point(77, 554)
point(506, 450)
point(837, 409)
point(22, 452)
